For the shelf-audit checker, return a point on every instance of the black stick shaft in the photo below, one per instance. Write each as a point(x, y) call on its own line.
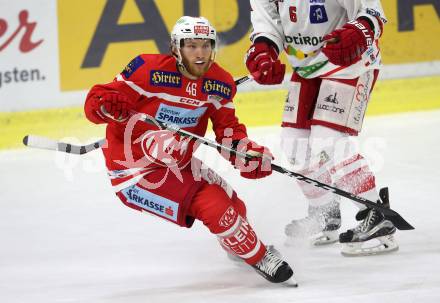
point(392, 215)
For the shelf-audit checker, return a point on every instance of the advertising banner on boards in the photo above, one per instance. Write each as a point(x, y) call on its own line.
point(52, 52)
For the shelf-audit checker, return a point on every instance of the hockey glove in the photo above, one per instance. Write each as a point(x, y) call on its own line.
point(257, 167)
point(345, 46)
point(112, 106)
point(263, 64)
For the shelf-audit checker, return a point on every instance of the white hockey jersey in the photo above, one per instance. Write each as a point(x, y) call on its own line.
point(298, 27)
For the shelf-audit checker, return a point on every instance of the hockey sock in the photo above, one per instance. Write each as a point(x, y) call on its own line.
point(354, 175)
point(226, 218)
point(241, 240)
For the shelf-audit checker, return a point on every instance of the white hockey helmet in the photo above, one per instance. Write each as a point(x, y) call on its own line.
point(193, 28)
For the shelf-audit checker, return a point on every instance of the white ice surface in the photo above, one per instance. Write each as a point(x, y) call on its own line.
point(65, 237)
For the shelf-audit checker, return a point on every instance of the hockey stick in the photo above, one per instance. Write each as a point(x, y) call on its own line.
point(243, 80)
point(49, 144)
point(45, 143)
point(390, 214)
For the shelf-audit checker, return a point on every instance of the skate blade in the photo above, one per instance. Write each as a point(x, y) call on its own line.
point(290, 283)
point(321, 240)
point(387, 244)
point(325, 238)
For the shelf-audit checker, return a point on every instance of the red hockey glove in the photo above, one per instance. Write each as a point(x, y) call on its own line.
point(112, 106)
point(346, 45)
point(263, 64)
point(259, 166)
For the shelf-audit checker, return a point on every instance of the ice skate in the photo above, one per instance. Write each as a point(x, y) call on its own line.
point(274, 269)
point(320, 226)
point(374, 235)
point(234, 258)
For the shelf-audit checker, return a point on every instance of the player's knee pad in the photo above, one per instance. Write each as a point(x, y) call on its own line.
point(215, 209)
point(322, 142)
point(325, 142)
point(315, 195)
point(329, 146)
point(226, 218)
point(340, 154)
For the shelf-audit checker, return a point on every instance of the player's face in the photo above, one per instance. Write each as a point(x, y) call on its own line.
point(196, 56)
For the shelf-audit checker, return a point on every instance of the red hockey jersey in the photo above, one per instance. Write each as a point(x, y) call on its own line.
point(157, 88)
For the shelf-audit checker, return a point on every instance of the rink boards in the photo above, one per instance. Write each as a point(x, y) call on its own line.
point(258, 108)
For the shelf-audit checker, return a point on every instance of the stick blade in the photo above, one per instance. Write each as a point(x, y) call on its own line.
point(40, 142)
point(399, 222)
point(242, 80)
point(393, 216)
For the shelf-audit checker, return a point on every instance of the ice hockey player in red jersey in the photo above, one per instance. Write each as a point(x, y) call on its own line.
point(332, 46)
point(154, 170)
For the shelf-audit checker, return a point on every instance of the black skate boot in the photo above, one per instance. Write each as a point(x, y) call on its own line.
point(320, 226)
point(274, 269)
point(374, 235)
point(234, 258)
